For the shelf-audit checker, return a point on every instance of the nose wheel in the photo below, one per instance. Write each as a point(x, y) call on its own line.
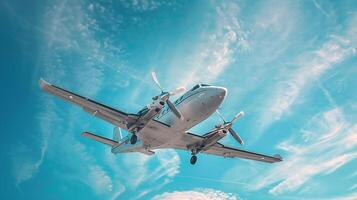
point(193, 160)
point(133, 139)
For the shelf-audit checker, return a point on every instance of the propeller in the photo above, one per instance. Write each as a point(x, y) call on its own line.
point(165, 96)
point(228, 126)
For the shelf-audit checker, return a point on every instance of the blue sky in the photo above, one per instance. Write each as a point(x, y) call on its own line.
point(290, 65)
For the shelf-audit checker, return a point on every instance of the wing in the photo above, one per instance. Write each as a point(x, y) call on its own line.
point(112, 115)
point(221, 150)
point(189, 139)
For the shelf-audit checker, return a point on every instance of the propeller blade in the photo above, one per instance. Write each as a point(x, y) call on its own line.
point(240, 114)
point(174, 109)
point(221, 116)
point(178, 90)
point(236, 136)
point(154, 77)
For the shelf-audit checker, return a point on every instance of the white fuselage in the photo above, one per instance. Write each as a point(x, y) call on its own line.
point(195, 105)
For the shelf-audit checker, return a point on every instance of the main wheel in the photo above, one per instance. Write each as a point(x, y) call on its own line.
point(133, 139)
point(193, 160)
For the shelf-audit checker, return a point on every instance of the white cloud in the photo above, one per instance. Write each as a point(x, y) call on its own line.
point(117, 193)
point(146, 172)
point(25, 166)
point(69, 30)
point(145, 5)
point(139, 162)
point(99, 180)
point(324, 151)
point(354, 186)
point(199, 194)
point(311, 66)
point(352, 196)
point(169, 163)
point(318, 6)
point(215, 52)
point(332, 52)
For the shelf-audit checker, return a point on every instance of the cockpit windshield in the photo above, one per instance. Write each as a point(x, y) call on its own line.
point(198, 86)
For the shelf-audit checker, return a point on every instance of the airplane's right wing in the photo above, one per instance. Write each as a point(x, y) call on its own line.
point(112, 115)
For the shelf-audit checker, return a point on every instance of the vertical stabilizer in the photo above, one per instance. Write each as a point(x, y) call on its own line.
point(117, 135)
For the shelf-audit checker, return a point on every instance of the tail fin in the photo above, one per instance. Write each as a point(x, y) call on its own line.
point(101, 139)
point(117, 135)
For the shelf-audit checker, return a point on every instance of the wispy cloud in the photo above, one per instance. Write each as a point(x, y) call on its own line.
point(25, 167)
point(215, 52)
point(99, 180)
point(353, 187)
point(310, 68)
point(145, 5)
point(199, 194)
point(319, 7)
point(329, 54)
point(69, 30)
point(324, 150)
point(351, 196)
point(166, 162)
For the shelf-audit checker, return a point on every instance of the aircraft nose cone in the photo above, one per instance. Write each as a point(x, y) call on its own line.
point(217, 96)
point(222, 92)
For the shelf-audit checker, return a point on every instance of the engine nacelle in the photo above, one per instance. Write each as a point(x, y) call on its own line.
point(151, 110)
point(156, 105)
point(213, 138)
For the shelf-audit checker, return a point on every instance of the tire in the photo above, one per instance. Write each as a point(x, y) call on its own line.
point(193, 160)
point(133, 139)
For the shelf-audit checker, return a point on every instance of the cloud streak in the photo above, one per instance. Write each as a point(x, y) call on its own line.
point(199, 194)
point(214, 54)
point(325, 149)
point(332, 52)
point(64, 25)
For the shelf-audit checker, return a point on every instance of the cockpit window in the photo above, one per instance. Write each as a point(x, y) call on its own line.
point(196, 87)
point(205, 84)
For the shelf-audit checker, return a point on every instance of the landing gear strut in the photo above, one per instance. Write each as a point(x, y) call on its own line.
point(193, 159)
point(133, 139)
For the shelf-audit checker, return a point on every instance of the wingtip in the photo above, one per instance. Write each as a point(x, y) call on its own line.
point(43, 83)
point(84, 133)
point(278, 157)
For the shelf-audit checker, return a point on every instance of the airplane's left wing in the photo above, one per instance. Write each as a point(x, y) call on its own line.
point(221, 150)
point(112, 115)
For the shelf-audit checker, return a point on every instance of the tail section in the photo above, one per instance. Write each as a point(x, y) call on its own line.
point(117, 135)
point(118, 143)
point(100, 139)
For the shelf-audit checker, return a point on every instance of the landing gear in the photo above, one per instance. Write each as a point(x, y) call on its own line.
point(193, 160)
point(133, 139)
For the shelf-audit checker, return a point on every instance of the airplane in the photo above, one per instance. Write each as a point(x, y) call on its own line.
point(164, 124)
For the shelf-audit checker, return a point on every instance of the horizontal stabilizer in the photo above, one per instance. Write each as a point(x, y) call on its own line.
point(101, 139)
point(278, 157)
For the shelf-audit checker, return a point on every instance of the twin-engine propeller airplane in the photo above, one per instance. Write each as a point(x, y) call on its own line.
point(164, 124)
